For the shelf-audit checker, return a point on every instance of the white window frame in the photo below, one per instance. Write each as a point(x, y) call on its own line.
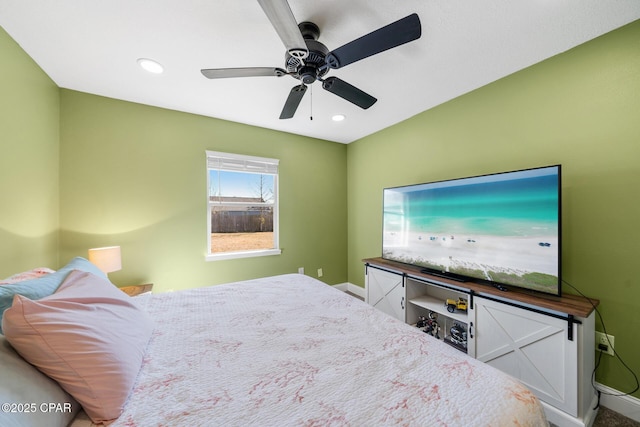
point(249, 164)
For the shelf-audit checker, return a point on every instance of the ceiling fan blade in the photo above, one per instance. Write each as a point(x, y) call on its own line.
point(223, 73)
point(395, 34)
point(348, 92)
point(293, 100)
point(282, 19)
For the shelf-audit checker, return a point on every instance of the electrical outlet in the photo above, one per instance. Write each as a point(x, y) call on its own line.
point(301, 270)
point(320, 272)
point(605, 343)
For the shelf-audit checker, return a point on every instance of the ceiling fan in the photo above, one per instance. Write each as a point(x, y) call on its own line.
point(308, 60)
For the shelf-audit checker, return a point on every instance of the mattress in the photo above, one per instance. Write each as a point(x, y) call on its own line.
point(290, 350)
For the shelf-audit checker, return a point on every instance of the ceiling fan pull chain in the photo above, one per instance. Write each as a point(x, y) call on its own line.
point(311, 102)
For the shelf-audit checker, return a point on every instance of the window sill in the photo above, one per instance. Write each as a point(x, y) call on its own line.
point(243, 254)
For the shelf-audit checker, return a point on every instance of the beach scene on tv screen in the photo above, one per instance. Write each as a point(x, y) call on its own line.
point(502, 228)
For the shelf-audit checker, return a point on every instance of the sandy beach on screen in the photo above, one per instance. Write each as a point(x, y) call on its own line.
point(517, 255)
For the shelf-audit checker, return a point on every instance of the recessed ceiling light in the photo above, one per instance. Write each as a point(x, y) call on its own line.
point(338, 117)
point(150, 65)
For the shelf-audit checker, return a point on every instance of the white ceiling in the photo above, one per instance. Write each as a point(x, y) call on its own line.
point(92, 46)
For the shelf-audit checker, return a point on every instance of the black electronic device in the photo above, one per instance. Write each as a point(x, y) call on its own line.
point(501, 229)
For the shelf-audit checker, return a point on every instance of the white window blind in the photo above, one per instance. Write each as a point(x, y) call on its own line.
point(240, 163)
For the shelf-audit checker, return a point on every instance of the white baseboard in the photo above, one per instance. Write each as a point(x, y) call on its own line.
point(341, 287)
point(628, 406)
point(350, 287)
point(357, 290)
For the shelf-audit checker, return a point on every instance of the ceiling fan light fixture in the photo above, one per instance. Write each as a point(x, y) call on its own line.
point(338, 117)
point(150, 65)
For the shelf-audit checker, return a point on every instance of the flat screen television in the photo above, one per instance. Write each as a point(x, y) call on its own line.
point(499, 229)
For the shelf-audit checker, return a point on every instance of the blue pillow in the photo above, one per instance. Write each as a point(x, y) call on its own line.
point(45, 285)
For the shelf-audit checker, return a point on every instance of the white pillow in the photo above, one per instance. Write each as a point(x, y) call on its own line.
point(21, 385)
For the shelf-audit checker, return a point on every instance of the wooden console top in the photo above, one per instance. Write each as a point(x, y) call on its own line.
point(569, 304)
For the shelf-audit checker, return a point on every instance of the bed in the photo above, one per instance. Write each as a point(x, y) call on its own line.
point(276, 351)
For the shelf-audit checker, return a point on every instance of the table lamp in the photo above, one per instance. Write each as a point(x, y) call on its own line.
point(106, 259)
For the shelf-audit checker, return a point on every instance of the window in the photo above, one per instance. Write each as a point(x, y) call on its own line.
point(242, 215)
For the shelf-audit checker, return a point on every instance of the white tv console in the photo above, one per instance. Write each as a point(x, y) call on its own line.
point(545, 341)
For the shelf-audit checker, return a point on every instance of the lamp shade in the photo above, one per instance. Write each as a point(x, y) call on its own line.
point(106, 259)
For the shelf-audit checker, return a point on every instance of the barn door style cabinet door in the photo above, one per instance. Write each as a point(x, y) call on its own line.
point(532, 347)
point(547, 342)
point(386, 291)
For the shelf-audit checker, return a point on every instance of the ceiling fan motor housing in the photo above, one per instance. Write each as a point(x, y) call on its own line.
point(309, 69)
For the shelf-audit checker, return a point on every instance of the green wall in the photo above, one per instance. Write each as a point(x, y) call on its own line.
point(29, 143)
point(580, 109)
point(135, 176)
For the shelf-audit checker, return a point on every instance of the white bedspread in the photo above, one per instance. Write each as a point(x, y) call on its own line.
point(290, 350)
